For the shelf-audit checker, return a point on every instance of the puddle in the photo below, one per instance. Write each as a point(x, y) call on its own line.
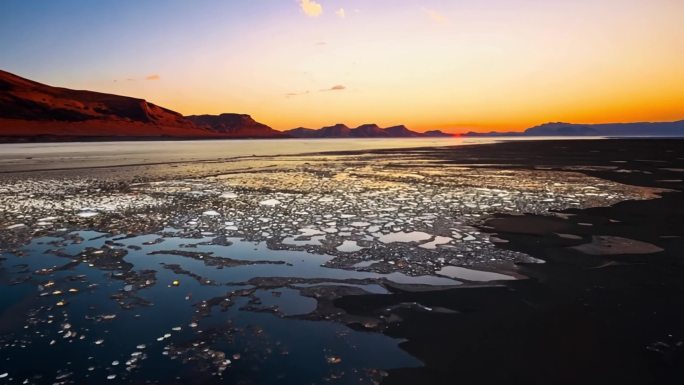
point(472, 275)
point(414, 236)
point(349, 247)
point(437, 242)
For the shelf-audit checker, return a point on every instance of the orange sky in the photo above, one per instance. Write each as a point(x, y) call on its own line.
point(468, 65)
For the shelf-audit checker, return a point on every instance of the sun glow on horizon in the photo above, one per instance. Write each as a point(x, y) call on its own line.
point(472, 65)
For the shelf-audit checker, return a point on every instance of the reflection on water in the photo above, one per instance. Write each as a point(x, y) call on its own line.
point(102, 307)
point(31, 156)
point(472, 275)
point(43, 155)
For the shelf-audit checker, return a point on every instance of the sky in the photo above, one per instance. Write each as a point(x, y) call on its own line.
point(456, 65)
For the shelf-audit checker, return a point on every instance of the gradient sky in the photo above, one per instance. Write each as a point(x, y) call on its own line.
point(455, 65)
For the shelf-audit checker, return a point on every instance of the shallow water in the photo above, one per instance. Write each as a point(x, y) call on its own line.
point(80, 339)
point(32, 156)
point(229, 273)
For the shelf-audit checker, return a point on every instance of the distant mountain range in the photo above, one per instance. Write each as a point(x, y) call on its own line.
point(364, 131)
point(31, 111)
point(650, 129)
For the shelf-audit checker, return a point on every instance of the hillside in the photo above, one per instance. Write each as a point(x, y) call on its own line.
point(234, 125)
point(34, 111)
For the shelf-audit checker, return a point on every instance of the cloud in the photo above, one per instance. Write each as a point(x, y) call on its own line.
point(310, 7)
point(435, 16)
point(340, 12)
point(338, 87)
point(292, 94)
point(152, 77)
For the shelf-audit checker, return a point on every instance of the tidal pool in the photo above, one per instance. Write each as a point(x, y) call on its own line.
point(96, 308)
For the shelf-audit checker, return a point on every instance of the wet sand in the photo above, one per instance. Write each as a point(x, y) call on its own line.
point(584, 316)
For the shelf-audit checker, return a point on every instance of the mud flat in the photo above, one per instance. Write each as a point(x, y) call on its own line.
point(423, 259)
point(606, 307)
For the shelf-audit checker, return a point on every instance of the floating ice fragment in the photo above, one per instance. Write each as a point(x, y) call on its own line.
point(210, 213)
point(87, 214)
point(438, 241)
point(414, 236)
point(229, 195)
point(17, 226)
point(359, 224)
point(349, 247)
point(270, 202)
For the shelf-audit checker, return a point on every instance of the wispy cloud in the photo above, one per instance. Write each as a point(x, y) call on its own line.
point(341, 13)
point(311, 8)
point(152, 77)
point(293, 94)
point(338, 87)
point(435, 15)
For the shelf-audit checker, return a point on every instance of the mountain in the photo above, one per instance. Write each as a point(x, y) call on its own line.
point(336, 131)
point(28, 108)
point(369, 131)
point(301, 132)
point(402, 132)
point(437, 134)
point(234, 125)
point(364, 131)
point(608, 129)
point(34, 111)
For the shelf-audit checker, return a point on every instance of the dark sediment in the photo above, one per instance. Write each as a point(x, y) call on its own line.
point(581, 318)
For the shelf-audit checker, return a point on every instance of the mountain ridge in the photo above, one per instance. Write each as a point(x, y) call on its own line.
point(634, 129)
point(369, 130)
point(30, 110)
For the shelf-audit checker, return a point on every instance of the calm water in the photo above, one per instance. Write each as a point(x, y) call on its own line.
point(18, 157)
point(69, 317)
